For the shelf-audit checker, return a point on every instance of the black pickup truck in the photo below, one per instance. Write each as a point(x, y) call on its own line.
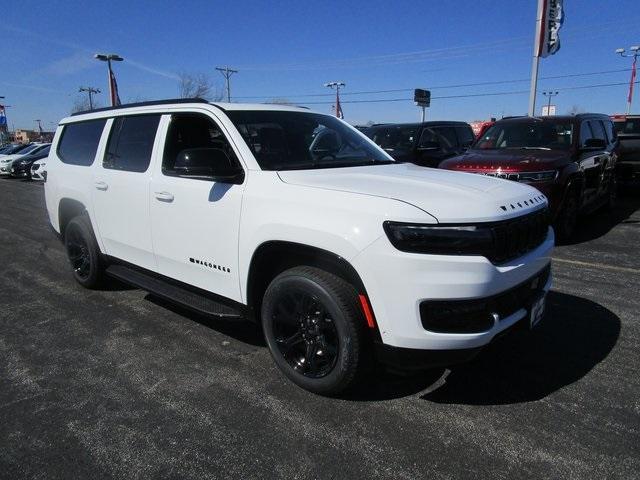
point(426, 144)
point(628, 166)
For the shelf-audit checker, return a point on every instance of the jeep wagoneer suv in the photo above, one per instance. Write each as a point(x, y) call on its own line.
point(300, 222)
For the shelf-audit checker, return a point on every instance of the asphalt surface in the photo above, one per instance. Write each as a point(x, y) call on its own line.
point(117, 384)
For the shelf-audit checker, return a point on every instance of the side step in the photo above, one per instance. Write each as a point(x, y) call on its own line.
point(172, 292)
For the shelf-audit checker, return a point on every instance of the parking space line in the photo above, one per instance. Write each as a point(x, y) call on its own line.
point(597, 265)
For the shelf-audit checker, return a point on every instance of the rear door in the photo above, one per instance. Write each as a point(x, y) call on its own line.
point(591, 161)
point(195, 220)
point(121, 189)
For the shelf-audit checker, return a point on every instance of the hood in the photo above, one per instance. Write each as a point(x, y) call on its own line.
point(10, 158)
point(508, 160)
point(450, 197)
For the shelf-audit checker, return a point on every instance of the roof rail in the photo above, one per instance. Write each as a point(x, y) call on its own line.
point(167, 101)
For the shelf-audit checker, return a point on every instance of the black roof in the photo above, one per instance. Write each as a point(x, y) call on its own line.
point(565, 118)
point(433, 123)
point(167, 101)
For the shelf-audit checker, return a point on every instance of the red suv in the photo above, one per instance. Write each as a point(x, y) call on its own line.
point(571, 159)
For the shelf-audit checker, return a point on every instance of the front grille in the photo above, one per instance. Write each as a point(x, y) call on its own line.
point(477, 315)
point(513, 238)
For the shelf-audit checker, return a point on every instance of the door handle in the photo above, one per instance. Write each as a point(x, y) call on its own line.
point(164, 196)
point(101, 186)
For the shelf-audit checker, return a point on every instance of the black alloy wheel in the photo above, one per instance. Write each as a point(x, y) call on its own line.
point(568, 217)
point(305, 334)
point(78, 253)
point(315, 330)
point(83, 252)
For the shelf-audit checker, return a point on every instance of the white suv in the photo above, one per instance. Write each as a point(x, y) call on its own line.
point(300, 222)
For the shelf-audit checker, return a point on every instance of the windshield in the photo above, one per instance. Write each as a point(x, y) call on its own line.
point(16, 149)
point(29, 149)
point(541, 135)
point(282, 140)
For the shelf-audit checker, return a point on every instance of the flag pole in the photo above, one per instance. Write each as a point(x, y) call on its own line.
point(539, 38)
point(633, 79)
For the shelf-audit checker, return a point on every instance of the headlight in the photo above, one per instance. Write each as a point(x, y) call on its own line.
point(440, 239)
point(531, 177)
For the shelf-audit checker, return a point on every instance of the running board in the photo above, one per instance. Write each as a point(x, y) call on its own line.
point(171, 292)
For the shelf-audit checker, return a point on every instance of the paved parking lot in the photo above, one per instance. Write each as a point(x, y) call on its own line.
point(116, 383)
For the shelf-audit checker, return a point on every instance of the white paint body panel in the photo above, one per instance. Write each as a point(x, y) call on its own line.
point(338, 210)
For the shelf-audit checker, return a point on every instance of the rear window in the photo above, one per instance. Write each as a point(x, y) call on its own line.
point(79, 142)
point(631, 125)
point(131, 143)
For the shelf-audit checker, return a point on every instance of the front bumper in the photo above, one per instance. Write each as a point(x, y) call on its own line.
point(398, 283)
point(21, 172)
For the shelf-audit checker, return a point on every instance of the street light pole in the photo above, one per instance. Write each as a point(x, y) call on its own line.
point(109, 57)
point(337, 85)
point(634, 53)
point(549, 95)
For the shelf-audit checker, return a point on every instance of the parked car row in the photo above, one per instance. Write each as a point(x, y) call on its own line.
point(24, 161)
point(571, 159)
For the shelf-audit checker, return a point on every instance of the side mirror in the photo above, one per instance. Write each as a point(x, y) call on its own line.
point(210, 163)
point(429, 147)
point(594, 144)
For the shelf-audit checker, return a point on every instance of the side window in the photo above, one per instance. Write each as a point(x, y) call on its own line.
point(448, 136)
point(131, 143)
point(445, 137)
point(585, 132)
point(611, 133)
point(465, 136)
point(598, 130)
point(79, 142)
point(429, 138)
point(195, 145)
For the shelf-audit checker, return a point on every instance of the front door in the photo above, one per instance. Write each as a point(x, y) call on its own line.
point(121, 189)
point(195, 220)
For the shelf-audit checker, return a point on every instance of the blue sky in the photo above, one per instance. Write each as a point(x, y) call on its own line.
point(286, 49)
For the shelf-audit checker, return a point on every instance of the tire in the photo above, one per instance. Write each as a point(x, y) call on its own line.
point(314, 329)
point(612, 194)
point(83, 252)
point(565, 224)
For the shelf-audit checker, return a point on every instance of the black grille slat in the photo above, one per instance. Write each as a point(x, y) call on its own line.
point(513, 238)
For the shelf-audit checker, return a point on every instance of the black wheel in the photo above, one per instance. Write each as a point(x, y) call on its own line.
point(568, 216)
point(314, 329)
point(83, 252)
point(612, 193)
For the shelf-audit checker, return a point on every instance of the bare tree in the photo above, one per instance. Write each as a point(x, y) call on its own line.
point(574, 110)
point(280, 101)
point(137, 99)
point(81, 104)
point(198, 85)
